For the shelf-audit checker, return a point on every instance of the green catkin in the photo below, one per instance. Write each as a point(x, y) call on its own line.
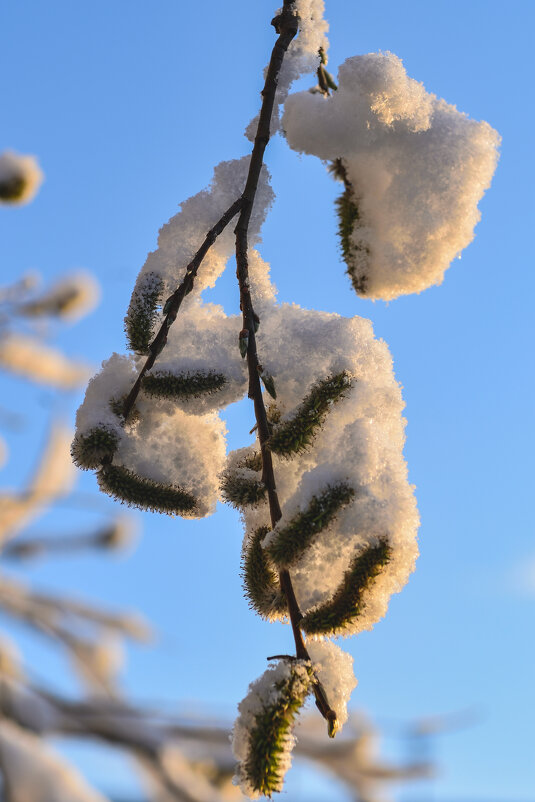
point(268, 745)
point(182, 386)
point(253, 462)
point(261, 583)
point(90, 450)
point(142, 312)
point(125, 485)
point(348, 213)
point(343, 609)
point(292, 541)
point(242, 491)
point(296, 434)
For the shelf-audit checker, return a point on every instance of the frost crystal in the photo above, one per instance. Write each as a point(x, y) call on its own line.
point(414, 170)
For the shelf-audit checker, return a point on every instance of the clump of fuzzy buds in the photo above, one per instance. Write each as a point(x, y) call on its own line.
point(261, 582)
point(241, 489)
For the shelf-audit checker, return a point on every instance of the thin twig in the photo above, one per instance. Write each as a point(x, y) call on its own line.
point(286, 25)
point(174, 301)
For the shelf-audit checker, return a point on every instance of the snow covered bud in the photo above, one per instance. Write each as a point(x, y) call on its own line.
point(70, 298)
point(184, 385)
point(118, 535)
point(295, 434)
point(241, 483)
point(243, 342)
point(90, 450)
point(262, 737)
point(143, 312)
point(334, 670)
point(20, 178)
point(290, 542)
point(414, 169)
point(143, 493)
point(261, 583)
point(336, 616)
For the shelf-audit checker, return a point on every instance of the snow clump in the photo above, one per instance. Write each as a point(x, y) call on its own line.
point(334, 669)
point(413, 166)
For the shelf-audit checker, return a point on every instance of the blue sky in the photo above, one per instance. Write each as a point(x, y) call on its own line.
point(128, 107)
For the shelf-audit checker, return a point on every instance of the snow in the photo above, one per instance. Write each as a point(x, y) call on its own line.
point(334, 669)
point(360, 444)
point(183, 234)
point(417, 167)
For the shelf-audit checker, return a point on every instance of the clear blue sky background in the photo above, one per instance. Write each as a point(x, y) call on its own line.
point(128, 107)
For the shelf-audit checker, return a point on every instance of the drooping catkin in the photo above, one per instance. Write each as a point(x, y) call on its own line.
point(355, 257)
point(291, 541)
point(333, 617)
point(296, 434)
point(146, 494)
point(261, 583)
point(262, 737)
point(143, 311)
point(184, 385)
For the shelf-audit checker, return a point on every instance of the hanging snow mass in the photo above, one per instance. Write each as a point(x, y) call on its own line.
point(413, 167)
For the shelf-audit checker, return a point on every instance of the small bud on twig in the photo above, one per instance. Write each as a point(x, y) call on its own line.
point(244, 342)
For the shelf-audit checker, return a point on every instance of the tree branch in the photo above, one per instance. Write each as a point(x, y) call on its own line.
point(173, 303)
point(286, 25)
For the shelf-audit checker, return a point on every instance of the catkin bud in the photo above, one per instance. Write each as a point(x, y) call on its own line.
point(261, 583)
point(262, 737)
point(241, 489)
point(336, 616)
point(291, 541)
point(142, 312)
point(90, 450)
point(188, 384)
point(297, 433)
point(138, 491)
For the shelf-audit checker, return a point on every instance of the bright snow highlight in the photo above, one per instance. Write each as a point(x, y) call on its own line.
point(414, 168)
